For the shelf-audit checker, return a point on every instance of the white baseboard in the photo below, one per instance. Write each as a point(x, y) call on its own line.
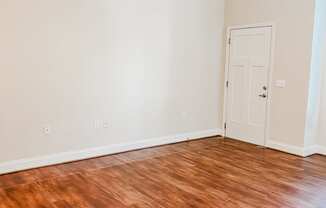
point(286, 148)
point(320, 150)
point(311, 150)
point(24, 164)
point(300, 151)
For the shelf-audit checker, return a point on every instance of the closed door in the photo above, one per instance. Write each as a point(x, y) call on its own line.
point(247, 92)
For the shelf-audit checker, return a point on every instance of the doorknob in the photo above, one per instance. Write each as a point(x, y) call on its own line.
point(263, 95)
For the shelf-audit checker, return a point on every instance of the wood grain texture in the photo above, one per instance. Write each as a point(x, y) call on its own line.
point(204, 173)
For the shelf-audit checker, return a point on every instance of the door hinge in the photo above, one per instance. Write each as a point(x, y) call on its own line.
point(227, 84)
point(224, 125)
point(229, 41)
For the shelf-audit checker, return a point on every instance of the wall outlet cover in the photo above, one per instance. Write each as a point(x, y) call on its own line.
point(280, 83)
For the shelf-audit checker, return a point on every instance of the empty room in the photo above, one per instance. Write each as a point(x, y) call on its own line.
point(163, 104)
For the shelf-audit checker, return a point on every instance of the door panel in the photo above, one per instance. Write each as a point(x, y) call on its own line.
point(249, 63)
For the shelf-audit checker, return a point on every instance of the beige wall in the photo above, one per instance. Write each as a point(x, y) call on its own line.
point(294, 23)
point(148, 68)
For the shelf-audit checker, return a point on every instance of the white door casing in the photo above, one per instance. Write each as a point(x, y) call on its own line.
point(248, 82)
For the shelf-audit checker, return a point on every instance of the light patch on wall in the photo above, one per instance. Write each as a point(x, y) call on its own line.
point(315, 100)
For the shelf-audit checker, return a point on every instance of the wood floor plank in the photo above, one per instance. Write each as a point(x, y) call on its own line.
point(204, 173)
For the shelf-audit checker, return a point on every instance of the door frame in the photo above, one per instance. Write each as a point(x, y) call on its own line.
point(270, 74)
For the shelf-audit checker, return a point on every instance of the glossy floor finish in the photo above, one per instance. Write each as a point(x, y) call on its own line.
point(204, 173)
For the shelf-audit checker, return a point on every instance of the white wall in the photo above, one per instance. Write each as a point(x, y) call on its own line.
point(316, 113)
point(319, 63)
point(148, 68)
point(294, 24)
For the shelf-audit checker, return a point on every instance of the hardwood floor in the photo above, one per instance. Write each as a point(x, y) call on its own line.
point(204, 173)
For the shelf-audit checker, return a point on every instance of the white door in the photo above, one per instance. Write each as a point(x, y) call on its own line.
point(247, 92)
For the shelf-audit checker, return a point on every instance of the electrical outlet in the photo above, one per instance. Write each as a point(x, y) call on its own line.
point(105, 125)
point(98, 124)
point(47, 130)
point(184, 114)
point(280, 83)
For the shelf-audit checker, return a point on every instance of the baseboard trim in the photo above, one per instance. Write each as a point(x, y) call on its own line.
point(64, 157)
point(321, 150)
point(311, 150)
point(295, 150)
point(316, 149)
